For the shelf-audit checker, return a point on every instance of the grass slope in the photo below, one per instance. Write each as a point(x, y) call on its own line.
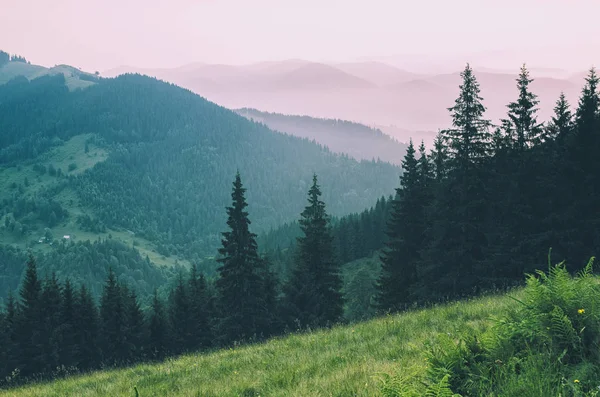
point(344, 361)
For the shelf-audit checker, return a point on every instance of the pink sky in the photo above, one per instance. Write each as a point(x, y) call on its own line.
point(98, 35)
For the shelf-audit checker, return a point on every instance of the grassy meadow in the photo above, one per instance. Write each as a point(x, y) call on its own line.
point(344, 361)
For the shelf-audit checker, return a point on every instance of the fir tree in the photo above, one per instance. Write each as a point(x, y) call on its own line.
point(561, 125)
point(69, 349)
point(87, 325)
point(135, 330)
point(30, 320)
point(405, 233)
point(51, 309)
point(469, 139)
point(158, 327)
point(522, 114)
point(241, 282)
point(181, 317)
point(113, 319)
point(313, 294)
point(458, 218)
point(200, 310)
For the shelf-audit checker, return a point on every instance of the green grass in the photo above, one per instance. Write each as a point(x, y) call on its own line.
point(344, 361)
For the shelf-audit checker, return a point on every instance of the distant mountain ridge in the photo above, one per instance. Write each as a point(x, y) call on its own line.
point(357, 140)
point(371, 93)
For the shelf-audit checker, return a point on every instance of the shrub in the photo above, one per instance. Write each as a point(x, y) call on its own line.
point(548, 344)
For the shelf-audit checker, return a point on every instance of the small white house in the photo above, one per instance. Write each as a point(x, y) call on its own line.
point(67, 237)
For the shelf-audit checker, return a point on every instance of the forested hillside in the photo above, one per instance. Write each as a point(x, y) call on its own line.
point(356, 140)
point(150, 162)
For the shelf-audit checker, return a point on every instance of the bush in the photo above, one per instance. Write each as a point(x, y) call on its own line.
point(72, 167)
point(547, 345)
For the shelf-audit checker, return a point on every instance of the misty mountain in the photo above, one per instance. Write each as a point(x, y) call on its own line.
point(134, 155)
point(371, 93)
point(357, 140)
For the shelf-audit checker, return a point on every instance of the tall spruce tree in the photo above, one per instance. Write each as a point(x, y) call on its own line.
point(522, 118)
point(200, 310)
point(113, 319)
point(457, 227)
point(158, 328)
point(584, 163)
point(181, 317)
point(313, 293)
point(241, 284)
point(87, 326)
point(69, 348)
point(561, 126)
point(30, 321)
point(51, 307)
point(401, 253)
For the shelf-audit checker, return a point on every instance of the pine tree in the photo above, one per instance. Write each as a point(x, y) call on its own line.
point(51, 306)
point(113, 319)
point(69, 347)
point(405, 233)
point(158, 340)
point(135, 329)
point(522, 114)
point(561, 125)
point(584, 178)
point(87, 326)
point(469, 140)
point(439, 158)
point(200, 310)
point(457, 219)
point(241, 282)
point(313, 294)
point(181, 318)
point(29, 328)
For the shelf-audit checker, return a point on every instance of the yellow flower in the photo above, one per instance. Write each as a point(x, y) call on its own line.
point(581, 311)
point(576, 381)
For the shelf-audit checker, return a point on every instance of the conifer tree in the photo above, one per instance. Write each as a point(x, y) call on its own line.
point(522, 114)
point(158, 327)
point(87, 326)
point(313, 294)
point(458, 218)
point(113, 319)
point(30, 320)
point(181, 317)
point(200, 313)
point(561, 125)
point(469, 139)
point(241, 282)
point(68, 342)
point(51, 308)
point(135, 330)
point(405, 233)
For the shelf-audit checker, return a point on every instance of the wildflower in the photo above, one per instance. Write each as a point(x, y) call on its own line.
point(576, 381)
point(581, 311)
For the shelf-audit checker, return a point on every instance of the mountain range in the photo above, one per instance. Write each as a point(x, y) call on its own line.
point(369, 92)
point(148, 166)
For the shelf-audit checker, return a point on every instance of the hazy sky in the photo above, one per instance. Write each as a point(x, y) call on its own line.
point(97, 35)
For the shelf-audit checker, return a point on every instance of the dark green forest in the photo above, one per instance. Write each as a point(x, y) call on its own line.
point(470, 216)
point(171, 155)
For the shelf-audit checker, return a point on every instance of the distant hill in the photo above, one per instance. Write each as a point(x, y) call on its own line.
point(357, 140)
point(151, 164)
point(74, 77)
point(371, 93)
